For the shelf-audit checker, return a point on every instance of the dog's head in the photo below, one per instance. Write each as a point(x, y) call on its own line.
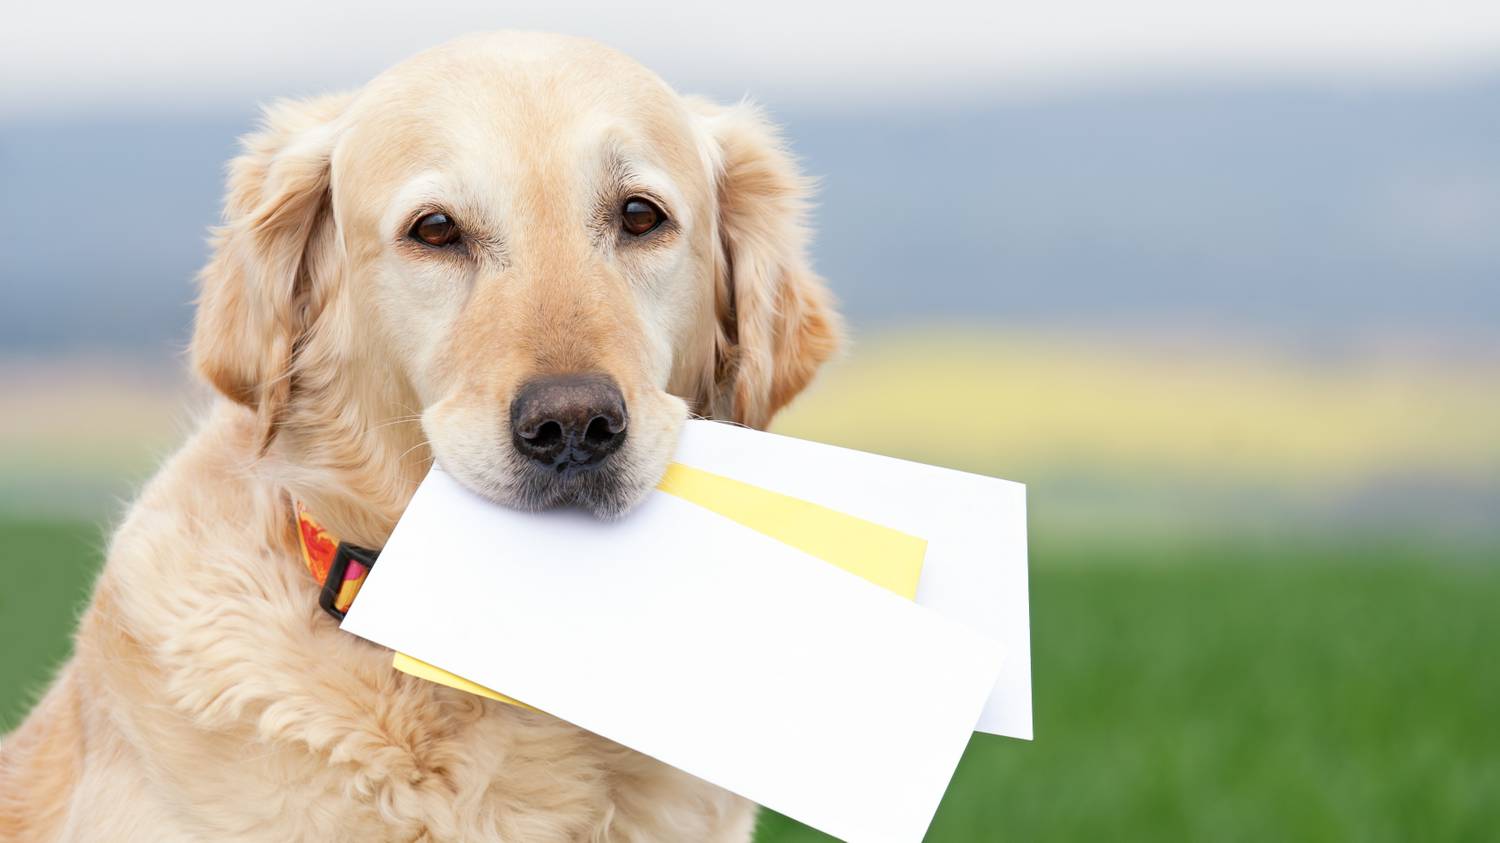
point(524, 255)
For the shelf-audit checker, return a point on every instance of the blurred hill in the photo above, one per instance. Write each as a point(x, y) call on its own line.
point(1314, 217)
point(1112, 438)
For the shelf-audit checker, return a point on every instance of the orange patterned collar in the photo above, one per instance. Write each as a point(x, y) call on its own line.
point(340, 567)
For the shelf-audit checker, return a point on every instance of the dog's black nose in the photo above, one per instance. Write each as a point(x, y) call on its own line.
point(568, 421)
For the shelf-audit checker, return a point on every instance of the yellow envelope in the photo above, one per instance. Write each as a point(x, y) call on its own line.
point(888, 558)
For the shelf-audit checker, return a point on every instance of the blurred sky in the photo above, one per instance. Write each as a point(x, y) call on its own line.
point(65, 56)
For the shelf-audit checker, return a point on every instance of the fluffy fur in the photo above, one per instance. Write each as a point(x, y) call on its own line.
point(207, 697)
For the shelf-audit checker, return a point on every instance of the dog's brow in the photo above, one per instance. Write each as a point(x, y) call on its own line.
point(424, 189)
point(618, 170)
point(625, 174)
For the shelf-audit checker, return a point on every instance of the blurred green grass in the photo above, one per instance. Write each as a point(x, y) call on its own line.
point(46, 570)
point(1209, 689)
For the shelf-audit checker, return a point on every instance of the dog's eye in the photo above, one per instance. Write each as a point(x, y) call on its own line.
point(640, 217)
point(435, 230)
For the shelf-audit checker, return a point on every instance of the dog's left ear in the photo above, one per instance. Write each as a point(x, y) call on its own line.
point(257, 298)
point(777, 322)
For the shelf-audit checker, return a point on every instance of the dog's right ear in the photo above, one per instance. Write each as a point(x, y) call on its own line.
point(256, 299)
point(777, 321)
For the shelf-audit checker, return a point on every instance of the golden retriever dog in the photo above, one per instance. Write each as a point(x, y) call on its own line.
point(521, 255)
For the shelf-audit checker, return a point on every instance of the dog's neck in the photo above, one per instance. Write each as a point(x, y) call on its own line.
point(357, 481)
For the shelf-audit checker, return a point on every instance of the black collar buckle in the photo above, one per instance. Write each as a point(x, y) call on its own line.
point(334, 582)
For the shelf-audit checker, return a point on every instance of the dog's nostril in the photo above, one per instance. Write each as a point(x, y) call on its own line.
point(599, 431)
point(548, 434)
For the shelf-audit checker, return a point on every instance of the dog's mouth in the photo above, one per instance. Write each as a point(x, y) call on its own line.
point(607, 491)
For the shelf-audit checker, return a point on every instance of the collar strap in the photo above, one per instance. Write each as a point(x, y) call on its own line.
point(340, 567)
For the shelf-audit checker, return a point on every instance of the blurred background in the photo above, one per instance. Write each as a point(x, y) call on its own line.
point(1219, 282)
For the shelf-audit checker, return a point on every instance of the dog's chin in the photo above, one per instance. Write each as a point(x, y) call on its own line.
point(607, 492)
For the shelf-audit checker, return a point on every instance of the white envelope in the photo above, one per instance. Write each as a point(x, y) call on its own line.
point(690, 638)
point(975, 570)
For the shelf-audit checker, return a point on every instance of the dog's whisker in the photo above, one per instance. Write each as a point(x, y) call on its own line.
point(423, 444)
point(396, 421)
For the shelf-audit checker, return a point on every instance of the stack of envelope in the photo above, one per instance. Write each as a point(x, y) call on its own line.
point(817, 629)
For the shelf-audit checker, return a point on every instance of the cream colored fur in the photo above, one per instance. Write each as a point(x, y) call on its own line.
point(208, 698)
